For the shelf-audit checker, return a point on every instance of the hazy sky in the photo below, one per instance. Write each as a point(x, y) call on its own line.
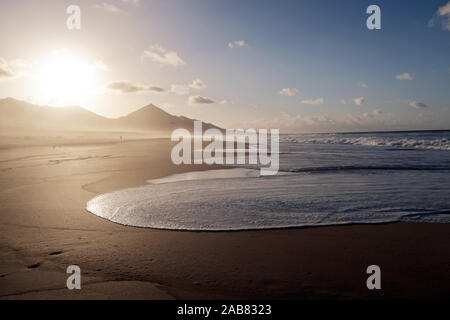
point(301, 66)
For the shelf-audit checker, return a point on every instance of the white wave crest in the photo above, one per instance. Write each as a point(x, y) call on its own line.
point(416, 142)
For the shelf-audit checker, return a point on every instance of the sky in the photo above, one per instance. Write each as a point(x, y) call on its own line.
point(300, 66)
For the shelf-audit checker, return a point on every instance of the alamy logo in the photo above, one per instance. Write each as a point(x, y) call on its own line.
point(374, 280)
point(249, 142)
point(374, 20)
point(74, 20)
point(73, 281)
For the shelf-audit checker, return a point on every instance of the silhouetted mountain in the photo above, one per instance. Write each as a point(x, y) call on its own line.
point(153, 118)
point(20, 115)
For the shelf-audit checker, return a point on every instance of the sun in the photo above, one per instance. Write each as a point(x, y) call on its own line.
point(64, 79)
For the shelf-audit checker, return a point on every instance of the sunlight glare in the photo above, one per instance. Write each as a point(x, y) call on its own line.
point(64, 79)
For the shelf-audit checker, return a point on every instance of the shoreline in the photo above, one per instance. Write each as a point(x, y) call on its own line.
point(44, 223)
point(204, 175)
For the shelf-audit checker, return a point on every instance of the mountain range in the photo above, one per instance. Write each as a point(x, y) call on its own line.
point(19, 115)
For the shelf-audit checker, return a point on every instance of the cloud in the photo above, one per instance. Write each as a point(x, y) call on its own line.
point(290, 92)
point(444, 10)
point(99, 65)
point(197, 84)
point(159, 54)
point(130, 87)
point(13, 68)
point(288, 122)
point(313, 101)
point(442, 17)
point(184, 89)
point(377, 112)
point(359, 101)
point(237, 43)
point(361, 85)
point(292, 121)
point(404, 76)
point(132, 2)
point(108, 7)
point(417, 105)
point(179, 89)
point(367, 118)
point(192, 100)
point(371, 115)
point(5, 69)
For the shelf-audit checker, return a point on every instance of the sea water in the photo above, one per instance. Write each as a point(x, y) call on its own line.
point(324, 179)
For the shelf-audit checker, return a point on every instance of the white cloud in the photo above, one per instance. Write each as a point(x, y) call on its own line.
point(99, 65)
point(130, 87)
point(5, 69)
point(288, 122)
point(404, 76)
point(13, 68)
point(359, 101)
point(361, 85)
point(442, 17)
point(285, 120)
point(184, 89)
point(179, 89)
point(290, 92)
point(192, 100)
point(237, 43)
point(366, 118)
point(313, 101)
point(159, 54)
point(377, 112)
point(444, 10)
point(417, 105)
point(133, 2)
point(371, 115)
point(108, 7)
point(197, 84)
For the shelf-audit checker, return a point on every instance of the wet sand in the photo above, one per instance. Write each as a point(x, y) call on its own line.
point(44, 228)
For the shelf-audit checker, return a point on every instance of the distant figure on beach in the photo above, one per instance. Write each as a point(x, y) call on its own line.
point(121, 139)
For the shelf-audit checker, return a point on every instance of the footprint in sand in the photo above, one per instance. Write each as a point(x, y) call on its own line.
point(55, 253)
point(34, 266)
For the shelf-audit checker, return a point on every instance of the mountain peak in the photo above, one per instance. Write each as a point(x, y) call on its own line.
point(149, 110)
point(21, 114)
point(12, 100)
point(150, 106)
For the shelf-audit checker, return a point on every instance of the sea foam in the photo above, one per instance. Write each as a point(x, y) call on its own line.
point(413, 140)
point(293, 200)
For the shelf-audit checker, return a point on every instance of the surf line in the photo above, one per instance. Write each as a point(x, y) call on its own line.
point(213, 153)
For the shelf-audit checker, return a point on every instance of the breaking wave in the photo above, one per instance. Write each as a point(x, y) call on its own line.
point(419, 141)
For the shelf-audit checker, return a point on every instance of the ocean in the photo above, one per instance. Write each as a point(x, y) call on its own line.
point(324, 179)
